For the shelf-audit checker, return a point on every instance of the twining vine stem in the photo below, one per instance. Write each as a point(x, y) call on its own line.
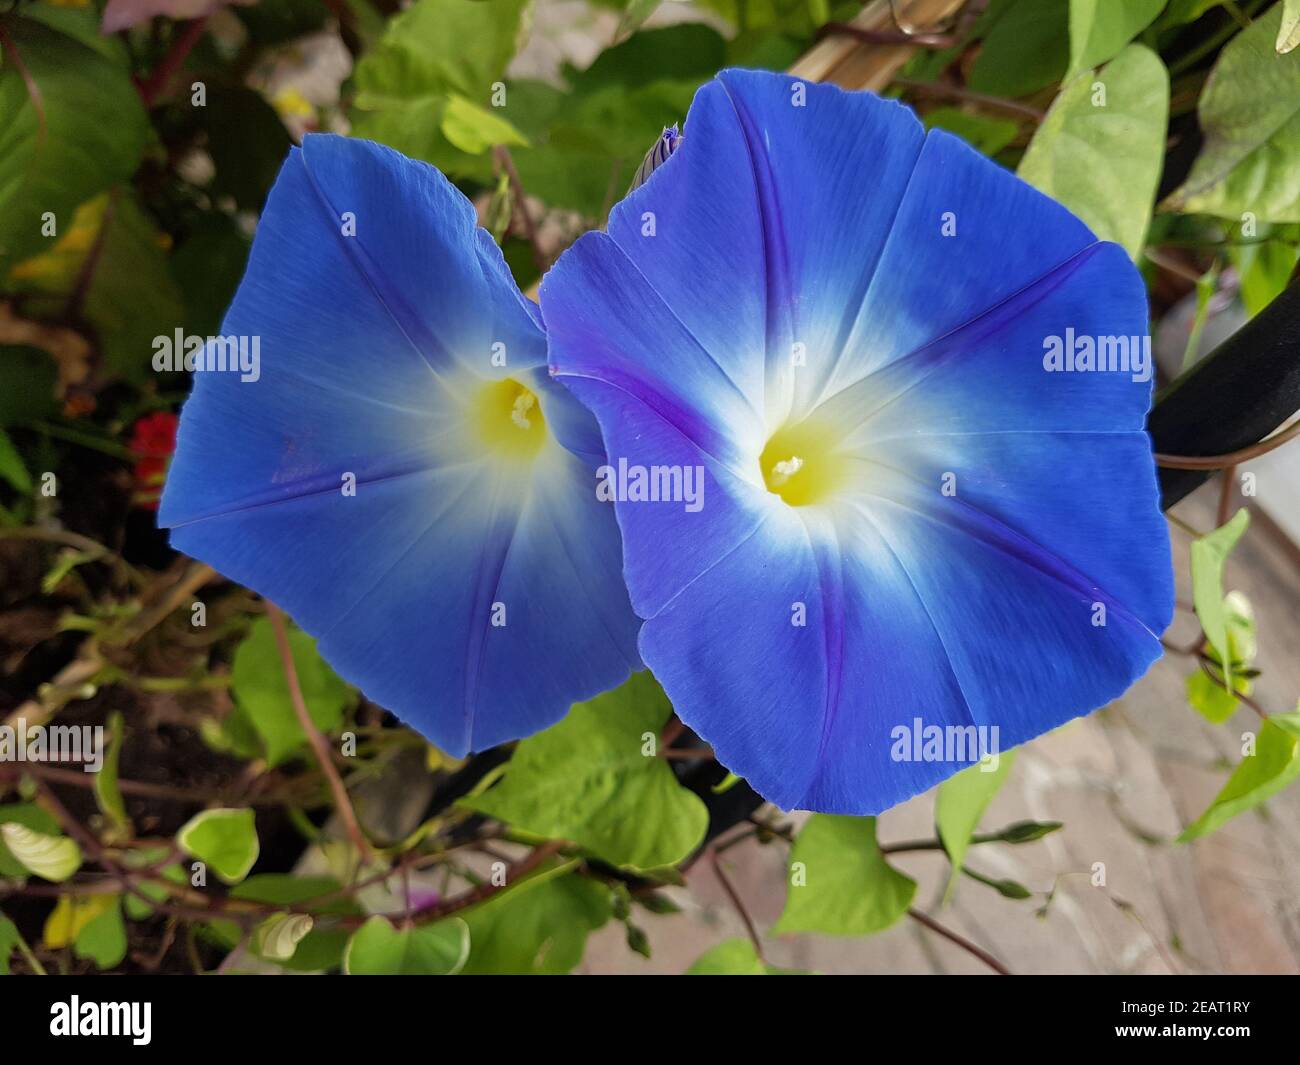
point(319, 745)
point(1232, 458)
point(965, 944)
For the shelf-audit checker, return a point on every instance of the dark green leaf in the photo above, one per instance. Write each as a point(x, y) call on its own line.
point(1026, 49)
point(84, 131)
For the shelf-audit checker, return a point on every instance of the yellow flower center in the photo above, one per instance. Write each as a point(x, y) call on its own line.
point(509, 419)
point(801, 464)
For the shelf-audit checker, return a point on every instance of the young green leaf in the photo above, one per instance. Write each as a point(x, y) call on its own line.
point(1288, 33)
point(379, 949)
point(278, 936)
point(225, 839)
point(840, 883)
point(53, 857)
point(960, 802)
point(1261, 775)
point(1208, 555)
point(594, 778)
point(1207, 696)
point(319, 947)
point(33, 817)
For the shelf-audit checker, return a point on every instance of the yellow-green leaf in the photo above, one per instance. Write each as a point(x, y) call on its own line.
point(53, 857)
point(1101, 148)
point(1274, 764)
point(1208, 555)
point(839, 882)
point(960, 802)
point(225, 839)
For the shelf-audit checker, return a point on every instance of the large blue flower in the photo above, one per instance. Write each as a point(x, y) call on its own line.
point(403, 476)
point(909, 521)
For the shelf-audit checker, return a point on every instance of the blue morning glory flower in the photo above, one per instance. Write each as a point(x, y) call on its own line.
point(398, 471)
point(914, 390)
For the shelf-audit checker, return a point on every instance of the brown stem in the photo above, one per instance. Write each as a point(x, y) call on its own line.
point(671, 731)
point(342, 802)
point(79, 779)
point(965, 944)
point(33, 89)
point(195, 576)
point(737, 902)
point(1208, 665)
point(504, 160)
point(483, 892)
point(181, 47)
point(959, 92)
point(1232, 458)
point(1226, 495)
point(681, 753)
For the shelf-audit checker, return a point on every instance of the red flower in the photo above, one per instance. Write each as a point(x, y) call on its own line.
point(153, 440)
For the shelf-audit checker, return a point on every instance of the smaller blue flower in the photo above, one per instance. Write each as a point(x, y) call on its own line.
point(402, 475)
point(922, 517)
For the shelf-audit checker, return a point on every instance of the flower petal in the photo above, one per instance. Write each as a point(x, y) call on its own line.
point(476, 598)
point(799, 639)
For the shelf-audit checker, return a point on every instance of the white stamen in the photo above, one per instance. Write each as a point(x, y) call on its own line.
point(785, 469)
point(519, 413)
